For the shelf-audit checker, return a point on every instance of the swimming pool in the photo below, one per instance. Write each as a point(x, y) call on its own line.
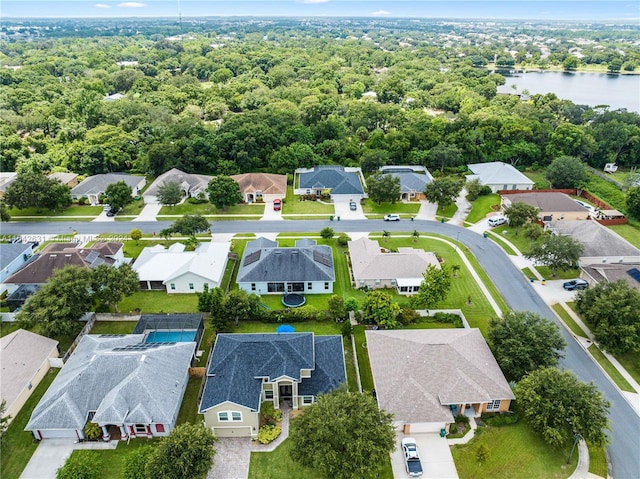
point(170, 337)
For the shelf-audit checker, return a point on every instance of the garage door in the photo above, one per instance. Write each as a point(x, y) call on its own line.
point(416, 427)
point(232, 431)
point(58, 433)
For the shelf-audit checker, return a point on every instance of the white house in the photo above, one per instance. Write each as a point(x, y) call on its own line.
point(12, 257)
point(191, 184)
point(499, 176)
point(178, 271)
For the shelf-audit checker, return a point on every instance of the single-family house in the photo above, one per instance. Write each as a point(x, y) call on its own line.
point(41, 266)
point(426, 376)
point(69, 179)
point(413, 180)
point(178, 271)
point(342, 183)
point(612, 272)
point(247, 369)
point(261, 186)
point(601, 245)
point(95, 186)
point(551, 206)
point(499, 176)
point(267, 269)
point(13, 256)
point(126, 386)
point(6, 178)
point(191, 185)
point(374, 268)
point(24, 361)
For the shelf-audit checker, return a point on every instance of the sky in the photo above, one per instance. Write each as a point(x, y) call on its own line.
point(627, 11)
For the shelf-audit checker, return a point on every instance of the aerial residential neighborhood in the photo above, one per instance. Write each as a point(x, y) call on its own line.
point(244, 248)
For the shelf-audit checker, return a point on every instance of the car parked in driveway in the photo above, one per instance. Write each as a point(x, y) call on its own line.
point(411, 457)
point(353, 206)
point(497, 220)
point(575, 284)
point(392, 217)
point(277, 204)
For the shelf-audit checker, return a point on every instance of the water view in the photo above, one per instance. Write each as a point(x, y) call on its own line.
point(617, 91)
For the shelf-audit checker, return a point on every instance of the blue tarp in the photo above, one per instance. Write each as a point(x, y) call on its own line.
point(285, 328)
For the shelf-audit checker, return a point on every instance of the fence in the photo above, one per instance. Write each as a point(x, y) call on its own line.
point(90, 318)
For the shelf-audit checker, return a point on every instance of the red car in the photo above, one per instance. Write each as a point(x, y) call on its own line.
point(277, 205)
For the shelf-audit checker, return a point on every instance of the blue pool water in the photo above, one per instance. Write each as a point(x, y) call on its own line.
point(170, 337)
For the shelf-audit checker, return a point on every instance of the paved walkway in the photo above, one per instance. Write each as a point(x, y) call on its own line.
point(463, 209)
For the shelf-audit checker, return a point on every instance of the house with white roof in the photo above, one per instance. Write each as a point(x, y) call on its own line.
point(126, 386)
point(499, 176)
point(191, 185)
point(402, 271)
point(178, 271)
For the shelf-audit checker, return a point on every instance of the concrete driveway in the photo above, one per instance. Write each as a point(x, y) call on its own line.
point(232, 458)
point(343, 210)
point(269, 214)
point(435, 456)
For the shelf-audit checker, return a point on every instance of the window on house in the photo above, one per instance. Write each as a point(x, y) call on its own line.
point(362, 282)
point(403, 289)
point(377, 282)
point(326, 286)
point(253, 286)
point(306, 400)
point(205, 285)
point(190, 285)
point(493, 405)
point(159, 427)
point(223, 416)
point(173, 286)
point(268, 394)
point(309, 285)
point(236, 416)
point(393, 282)
point(226, 416)
point(141, 429)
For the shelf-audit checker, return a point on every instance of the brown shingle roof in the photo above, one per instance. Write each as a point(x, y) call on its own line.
point(268, 183)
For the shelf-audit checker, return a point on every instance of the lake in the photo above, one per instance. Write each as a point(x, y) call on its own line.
point(617, 91)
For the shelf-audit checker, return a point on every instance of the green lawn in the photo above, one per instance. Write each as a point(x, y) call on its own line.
point(113, 327)
point(541, 183)
point(349, 361)
point(610, 369)
point(515, 452)
point(112, 460)
point(316, 327)
point(568, 320)
point(279, 465)
point(372, 208)
point(547, 273)
point(73, 210)
point(598, 460)
point(607, 192)
point(207, 209)
point(447, 212)
point(519, 241)
point(631, 362)
point(7, 328)
point(502, 243)
point(481, 207)
point(134, 208)
point(189, 407)
point(159, 302)
point(630, 232)
point(366, 376)
point(19, 445)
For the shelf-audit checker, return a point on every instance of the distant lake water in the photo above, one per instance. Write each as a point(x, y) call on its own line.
point(617, 91)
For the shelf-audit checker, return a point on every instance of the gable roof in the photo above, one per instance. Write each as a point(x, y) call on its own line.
point(612, 272)
point(418, 373)
point(412, 178)
point(6, 178)
point(208, 261)
point(333, 177)
point(267, 183)
point(21, 356)
point(192, 183)
point(62, 177)
point(122, 382)
point(58, 255)
point(547, 201)
point(96, 184)
point(368, 262)
point(499, 174)
point(597, 240)
point(239, 362)
point(304, 262)
point(9, 252)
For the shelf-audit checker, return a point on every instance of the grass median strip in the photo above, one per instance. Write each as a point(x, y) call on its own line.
point(568, 320)
point(610, 369)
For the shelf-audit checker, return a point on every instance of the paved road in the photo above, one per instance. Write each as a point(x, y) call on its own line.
point(512, 285)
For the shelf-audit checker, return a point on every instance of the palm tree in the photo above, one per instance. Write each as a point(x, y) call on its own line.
point(386, 235)
point(415, 235)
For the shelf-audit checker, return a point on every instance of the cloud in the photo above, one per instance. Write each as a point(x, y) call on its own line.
point(101, 5)
point(380, 12)
point(132, 5)
point(314, 1)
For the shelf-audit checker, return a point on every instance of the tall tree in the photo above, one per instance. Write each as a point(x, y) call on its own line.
point(134, 463)
point(189, 225)
point(240, 305)
point(111, 284)
point(36, 190)
point(633, 202)
point(379, 308)
point(522, 342)
point(444, 155)
point(343, 435)
point(612, 310)
point(186, 453)
point(434, 288)
point(4, 212)
point(443, 191)
point(533, 232)
point(119, 195)
point(59, 304)
point(557, 252)
point(519, 214)
point(558, 406)
point(224, 192)
point(170, 193)
point(567, 172)
point(383, 188)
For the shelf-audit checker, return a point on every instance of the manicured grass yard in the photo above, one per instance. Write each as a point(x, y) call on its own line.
point(7, 328)
point(366, 376)
point(598, 460)
point(568, 320)
point(610, 369)
point(515, 452)
point(481, 207)
point(189, 408)
point(207, 209)
point(631, 362)
point(159, 302)
point(113, 459)
point(541, 183)
point(73, 210)
point(630, 232)
point(447, 212)
point(19, 445)
point(113, 327)
point(375, 210)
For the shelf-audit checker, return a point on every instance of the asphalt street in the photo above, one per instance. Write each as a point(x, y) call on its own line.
point(624, 450)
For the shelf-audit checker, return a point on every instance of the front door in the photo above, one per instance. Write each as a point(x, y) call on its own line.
point(285, 391)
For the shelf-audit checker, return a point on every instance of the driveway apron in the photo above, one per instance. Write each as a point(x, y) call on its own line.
point(232, 458)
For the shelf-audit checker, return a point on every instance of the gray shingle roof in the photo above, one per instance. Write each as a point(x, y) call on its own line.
point(300, 263)
point(240, 361)
point(119, 383)
point(334, 177)
point(9, 252)
point(98, 183)
point(596, 239)
point(191, 182)
point(410, 181)
point(419, 373)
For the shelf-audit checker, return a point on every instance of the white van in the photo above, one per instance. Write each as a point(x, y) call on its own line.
point(497, 220)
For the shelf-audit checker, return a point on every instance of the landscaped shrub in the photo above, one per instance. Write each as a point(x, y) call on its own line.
point(269, 415)
point(81, 464)
point(408, 316)
point(92, 430)
point(267, 434)
point(343, 240)
point(461, 418)
point(500, 419)
point(293, 315)
point(453, 428)
point(447, 318)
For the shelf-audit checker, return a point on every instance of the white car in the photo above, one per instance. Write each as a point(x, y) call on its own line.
point(392, 217)
point(411, 457)
point(497, 221)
